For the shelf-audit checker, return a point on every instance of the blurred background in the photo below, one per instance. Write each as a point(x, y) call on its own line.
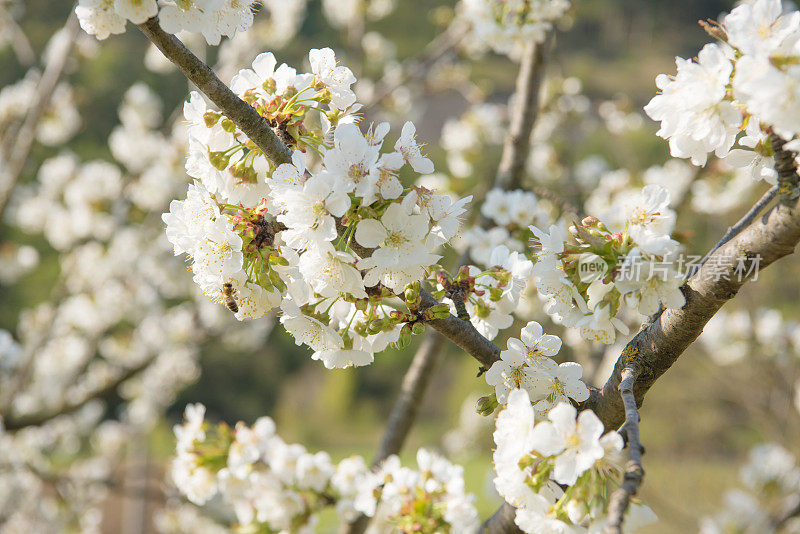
point(724, 396)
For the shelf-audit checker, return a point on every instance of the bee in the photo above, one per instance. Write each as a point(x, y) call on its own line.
point(228, 296)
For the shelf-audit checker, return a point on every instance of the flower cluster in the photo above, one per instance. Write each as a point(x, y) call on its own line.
point(212, 18)
point(558, 472)
point(527, 364)
point(736, 92)
point(327, 240)
point(772, 478)
point(506, 26)
point(278, 486)
point(510, 214)
point(604, 265)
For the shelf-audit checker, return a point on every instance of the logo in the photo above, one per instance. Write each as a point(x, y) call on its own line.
point(591, 267)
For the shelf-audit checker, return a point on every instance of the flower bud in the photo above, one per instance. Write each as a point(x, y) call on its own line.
point(211, 118)
point(411, 296)
point(418, 328)
point(228, 125)
point(439, 311)
point(486, 405)
point(270, 85)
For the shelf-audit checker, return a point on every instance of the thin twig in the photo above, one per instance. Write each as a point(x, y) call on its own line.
point(25, 136)
point(19, 41)
point(740, 225)
point(240, 112)
point(634, 472)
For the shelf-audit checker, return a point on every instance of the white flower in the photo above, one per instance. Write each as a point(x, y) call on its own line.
point(410, 150)
point(600, 326)
point(310, 212)
point(758, 27)
point(136, 11)
point(694, 114)
point(288, 176)
point(344, 358)
point(220, 255)
point(574, 443)
point(336, 78)
point(537, 518)
point(650, 220)
point(188, 220)
point(510, 372)
point(559, 385)
point(551, 245)
point(256, 302)
point(309, 330)
point(99, 18)
point(332, 273)
point(314, 471)
point(403, 255)
point(192, 429)
point(535, 346)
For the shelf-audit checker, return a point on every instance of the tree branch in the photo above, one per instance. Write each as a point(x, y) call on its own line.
point(518, 142)
point(24, 138)
point(404, 411)
point(634, 472)
point(463, 334)
point(236, 109)
point(108, 390)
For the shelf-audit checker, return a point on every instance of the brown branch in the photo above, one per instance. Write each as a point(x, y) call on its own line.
point(463, 334)
point(415, 382)
point(107, 391)
point(458, 329)
point(634, 472)
point(518, 142)
point(236, 109)
point(26, 135)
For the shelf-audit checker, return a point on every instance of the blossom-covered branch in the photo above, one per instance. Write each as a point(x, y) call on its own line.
point(236, 109)
point(658, 345)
